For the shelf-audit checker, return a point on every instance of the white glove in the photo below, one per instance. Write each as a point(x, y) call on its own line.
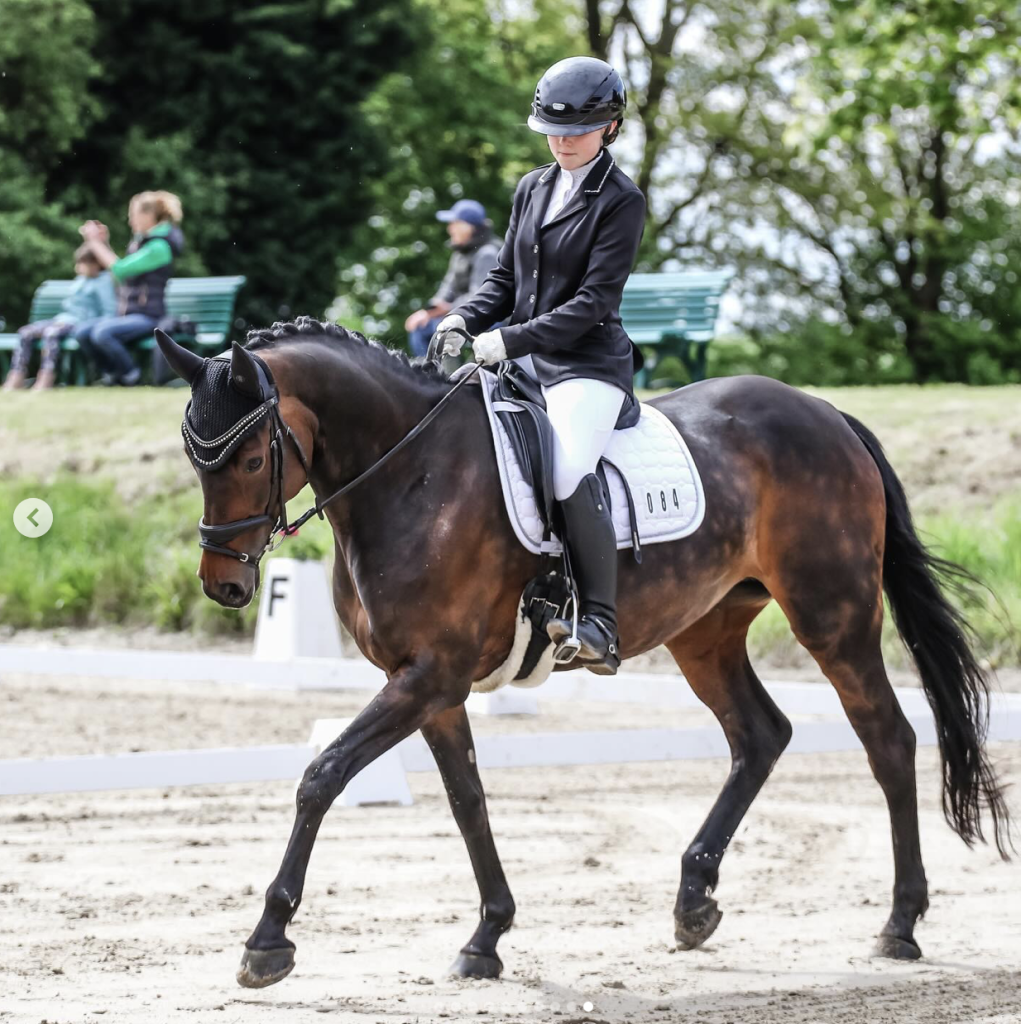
point(489, 348)
point(450, 341)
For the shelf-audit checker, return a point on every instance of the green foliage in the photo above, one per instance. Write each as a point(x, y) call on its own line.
point(250, 112)
point(43, 104)
point(453, 123)
point(45, 68)
point(826, 355)
point(857, 163)
point(107, 561)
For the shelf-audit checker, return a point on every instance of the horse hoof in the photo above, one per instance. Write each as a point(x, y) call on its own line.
point(895, 948)
point(475, 965)
point(693, 927)
point(262, 967)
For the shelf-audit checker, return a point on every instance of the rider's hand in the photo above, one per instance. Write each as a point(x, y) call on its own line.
point(489, 348)
point(450, 341)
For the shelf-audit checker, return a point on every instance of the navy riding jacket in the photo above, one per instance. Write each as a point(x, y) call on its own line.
point(559, 286)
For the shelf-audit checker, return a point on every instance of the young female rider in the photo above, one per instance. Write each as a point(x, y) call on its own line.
point(574, 231)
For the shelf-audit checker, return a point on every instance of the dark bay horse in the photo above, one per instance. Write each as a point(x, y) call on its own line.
point(803, 508)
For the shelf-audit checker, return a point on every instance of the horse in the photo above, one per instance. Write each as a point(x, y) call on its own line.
point(803, 508)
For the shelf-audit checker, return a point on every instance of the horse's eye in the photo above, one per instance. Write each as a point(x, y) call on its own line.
point(254, 464)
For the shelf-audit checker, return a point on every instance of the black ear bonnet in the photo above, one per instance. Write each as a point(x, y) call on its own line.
point(225, 409)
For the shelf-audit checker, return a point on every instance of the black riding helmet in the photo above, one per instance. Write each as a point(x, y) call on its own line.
point(578, 95)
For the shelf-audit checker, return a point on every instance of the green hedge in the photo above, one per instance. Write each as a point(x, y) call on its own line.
point(822, 355)
point(104, 562)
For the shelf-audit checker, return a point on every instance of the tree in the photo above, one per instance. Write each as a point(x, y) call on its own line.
point(43, 103)
point(453, 124)
point(251, 112)
point(839, 155)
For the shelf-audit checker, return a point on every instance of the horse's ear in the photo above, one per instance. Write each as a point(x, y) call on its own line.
point(244, 374)
point(184, 363)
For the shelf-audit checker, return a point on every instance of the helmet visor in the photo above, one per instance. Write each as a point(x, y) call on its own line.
point(537, 124)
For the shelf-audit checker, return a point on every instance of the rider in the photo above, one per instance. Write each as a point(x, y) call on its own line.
point(574, 231)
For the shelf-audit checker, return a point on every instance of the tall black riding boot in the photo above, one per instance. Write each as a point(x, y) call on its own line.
point(592, 548)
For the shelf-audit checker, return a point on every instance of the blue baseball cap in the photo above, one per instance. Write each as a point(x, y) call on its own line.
point(468, 210)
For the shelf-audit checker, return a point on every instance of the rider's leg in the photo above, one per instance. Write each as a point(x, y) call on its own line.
point(583, 414)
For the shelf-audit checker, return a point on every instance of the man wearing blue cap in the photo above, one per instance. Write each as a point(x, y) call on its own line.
point(475, 249)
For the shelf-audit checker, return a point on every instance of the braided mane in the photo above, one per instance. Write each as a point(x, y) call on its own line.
point(307, 328)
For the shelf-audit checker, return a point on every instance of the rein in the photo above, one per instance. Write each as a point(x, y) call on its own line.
point(317, 508)
point(214, 538)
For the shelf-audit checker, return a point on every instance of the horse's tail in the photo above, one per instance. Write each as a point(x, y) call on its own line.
point(936, 634)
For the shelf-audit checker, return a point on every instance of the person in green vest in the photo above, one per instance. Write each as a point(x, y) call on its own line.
point(142, 276)
point(91, 298)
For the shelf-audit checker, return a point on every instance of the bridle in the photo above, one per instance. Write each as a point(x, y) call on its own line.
point(215, 537)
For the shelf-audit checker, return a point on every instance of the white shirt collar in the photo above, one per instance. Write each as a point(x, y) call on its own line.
point(579, 173)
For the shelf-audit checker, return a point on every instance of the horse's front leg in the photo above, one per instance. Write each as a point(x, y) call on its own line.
point(449, 737)
point(409, 698)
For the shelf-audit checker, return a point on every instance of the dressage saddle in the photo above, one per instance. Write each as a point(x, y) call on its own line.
point(519, 404)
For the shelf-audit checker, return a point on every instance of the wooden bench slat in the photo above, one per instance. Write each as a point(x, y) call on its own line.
point(671, 314)
point(662, 312)
point(207, 301)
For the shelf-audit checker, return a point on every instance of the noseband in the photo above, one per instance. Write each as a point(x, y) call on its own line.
point(215, 538)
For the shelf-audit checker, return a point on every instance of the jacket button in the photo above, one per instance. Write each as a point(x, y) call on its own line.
point(535, 248)
point(531, 298)
point(535, 273)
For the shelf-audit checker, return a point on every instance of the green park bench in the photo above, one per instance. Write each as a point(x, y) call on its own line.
point(207, 301)
point(673, 314)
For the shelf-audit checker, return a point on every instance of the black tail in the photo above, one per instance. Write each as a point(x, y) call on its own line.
point(936, 634)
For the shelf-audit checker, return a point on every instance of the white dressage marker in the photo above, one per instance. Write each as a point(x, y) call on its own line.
point(296, 615)
point(381, 782)
point(508, 700)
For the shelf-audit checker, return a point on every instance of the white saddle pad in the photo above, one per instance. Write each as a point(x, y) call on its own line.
point(652, 455)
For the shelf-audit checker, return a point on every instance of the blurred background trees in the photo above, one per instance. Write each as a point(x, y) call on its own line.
point(857, 163)
point(252, 113)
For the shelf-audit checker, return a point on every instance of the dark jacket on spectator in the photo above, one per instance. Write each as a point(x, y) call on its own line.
point(144, 272)
point(469, 265)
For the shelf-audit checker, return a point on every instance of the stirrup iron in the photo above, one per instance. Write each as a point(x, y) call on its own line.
point(568, 648)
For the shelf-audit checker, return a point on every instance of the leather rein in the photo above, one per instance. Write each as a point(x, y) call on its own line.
point(215, 537)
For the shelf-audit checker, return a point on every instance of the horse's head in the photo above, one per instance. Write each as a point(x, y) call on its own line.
point(247, 442)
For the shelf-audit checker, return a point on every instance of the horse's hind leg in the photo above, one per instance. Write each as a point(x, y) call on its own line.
point(842, 629)
point(713, 656)
point(449, 737)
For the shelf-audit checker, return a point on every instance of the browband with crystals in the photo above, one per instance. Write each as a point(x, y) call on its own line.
point(234, 434)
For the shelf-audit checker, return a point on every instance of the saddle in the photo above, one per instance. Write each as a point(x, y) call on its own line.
point(517, 401)
point(645, 456)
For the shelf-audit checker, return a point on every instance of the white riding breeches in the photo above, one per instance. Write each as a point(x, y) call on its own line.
point(583, 414)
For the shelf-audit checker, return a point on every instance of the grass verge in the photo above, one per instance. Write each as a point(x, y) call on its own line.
point(106, 561)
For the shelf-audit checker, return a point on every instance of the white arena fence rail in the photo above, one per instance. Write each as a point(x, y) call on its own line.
point(385, 781)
